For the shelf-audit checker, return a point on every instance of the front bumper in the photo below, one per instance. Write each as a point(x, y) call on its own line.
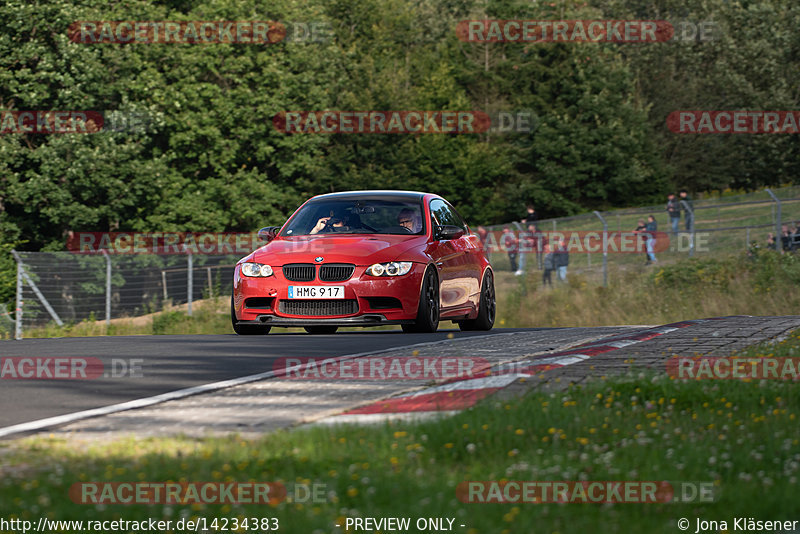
point(367, 291)
point(367, 319)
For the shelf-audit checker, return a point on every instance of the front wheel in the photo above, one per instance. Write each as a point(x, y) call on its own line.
point(321, 329)
point(428, 310)
point(486, 307)
point(247, 329)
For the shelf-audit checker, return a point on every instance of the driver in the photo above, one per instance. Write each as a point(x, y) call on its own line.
point(326, 222)
point(337, 222)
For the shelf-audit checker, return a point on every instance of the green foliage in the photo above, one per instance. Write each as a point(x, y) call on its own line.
point(771, 270)
point(764, 270)
point(162, 322)
point(212, 161)
point(8, 276)
point(696, 274)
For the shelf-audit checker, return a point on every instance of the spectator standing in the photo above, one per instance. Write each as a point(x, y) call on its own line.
point(674, 212)
point(529, 218)
point(539, 241)
point(796, 236)
point(549, 266)
point(509, 242)
point(530, 215)
point(651, 227)
point(640, 231)
point(561, 260)
point(527, 242)
point(786, 239)
point(771, 241)
point(689, 217)
point(483, 233)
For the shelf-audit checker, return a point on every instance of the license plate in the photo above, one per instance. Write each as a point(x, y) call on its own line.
point(316, 292)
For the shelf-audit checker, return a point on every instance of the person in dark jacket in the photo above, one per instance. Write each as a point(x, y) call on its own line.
point(650, 228)
point(561, 260)
point(509, 241)
point(786, 239)
point(689, 216)
point(530, 216)
point(674, 212)
point(549, 266)
point(771, 244)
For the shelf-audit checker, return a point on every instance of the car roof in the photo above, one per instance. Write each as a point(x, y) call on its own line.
point(415, 195)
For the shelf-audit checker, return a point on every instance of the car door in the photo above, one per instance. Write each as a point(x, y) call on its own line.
point(451, 257)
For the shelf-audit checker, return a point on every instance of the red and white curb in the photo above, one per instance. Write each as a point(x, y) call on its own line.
point(459, 394)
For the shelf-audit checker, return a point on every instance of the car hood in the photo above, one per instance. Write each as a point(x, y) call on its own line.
point(358, 249)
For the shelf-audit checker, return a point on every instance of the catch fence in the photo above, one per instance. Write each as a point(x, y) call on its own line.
point(65, 287)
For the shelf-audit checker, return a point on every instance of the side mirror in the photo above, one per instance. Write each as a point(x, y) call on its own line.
point(268, 233)
point(449, 232)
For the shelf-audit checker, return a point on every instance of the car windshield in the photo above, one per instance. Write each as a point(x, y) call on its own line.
point(357, 216)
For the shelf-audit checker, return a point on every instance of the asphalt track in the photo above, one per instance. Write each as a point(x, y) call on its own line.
point(170, 363)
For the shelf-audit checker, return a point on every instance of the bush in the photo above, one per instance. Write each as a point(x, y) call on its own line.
point(716, 273)
point(768, 268)
point(164, 320)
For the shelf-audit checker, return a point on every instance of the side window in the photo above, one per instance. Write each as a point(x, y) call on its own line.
point(461, 223)
point(444, 214)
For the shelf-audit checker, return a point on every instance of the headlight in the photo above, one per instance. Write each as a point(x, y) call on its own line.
point(256, 270)
point(392, 268)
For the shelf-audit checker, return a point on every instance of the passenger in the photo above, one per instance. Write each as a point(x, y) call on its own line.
point(410, 220)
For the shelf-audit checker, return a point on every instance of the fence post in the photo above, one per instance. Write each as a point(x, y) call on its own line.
point(210, 288)
point(190, 282)
point(35, 288)
point(605, 248)
point(690, 211)
point(164, 283)
point(108, 288)
point(18, 304)
point(778, 240)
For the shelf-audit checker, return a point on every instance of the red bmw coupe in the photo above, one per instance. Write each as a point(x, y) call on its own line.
point(366, 258)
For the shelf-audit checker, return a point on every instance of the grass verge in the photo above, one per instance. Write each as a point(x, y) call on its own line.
point(741, 438)
point(762, 284)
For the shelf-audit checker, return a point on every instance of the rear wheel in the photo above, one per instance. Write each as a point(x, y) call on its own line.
point(486, 308)
point(247, 329)
point(322, 329)
point(428, 310)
